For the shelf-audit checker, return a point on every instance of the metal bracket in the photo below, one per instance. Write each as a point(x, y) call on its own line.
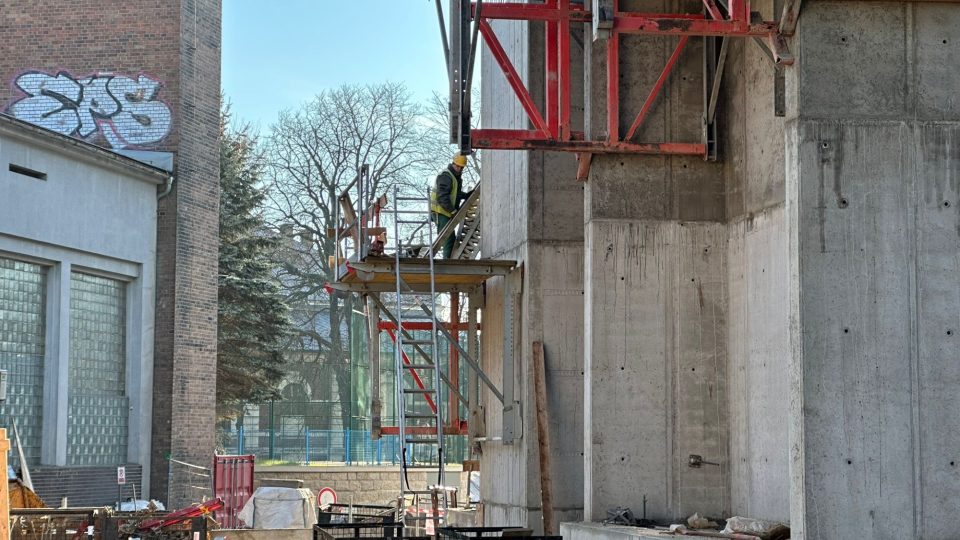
point(602, 19)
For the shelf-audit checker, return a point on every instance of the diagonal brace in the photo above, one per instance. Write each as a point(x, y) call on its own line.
point(512, 76)
point(463, 352)
point(657, 87)
point(384, 310)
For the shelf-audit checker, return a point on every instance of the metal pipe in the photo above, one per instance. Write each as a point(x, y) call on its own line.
point(443, 37)
point(473, 56)
point(167, 188)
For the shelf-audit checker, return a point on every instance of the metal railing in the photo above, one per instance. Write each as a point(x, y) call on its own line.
point(334, 447)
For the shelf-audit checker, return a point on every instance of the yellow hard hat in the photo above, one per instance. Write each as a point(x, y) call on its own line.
point(460, 160)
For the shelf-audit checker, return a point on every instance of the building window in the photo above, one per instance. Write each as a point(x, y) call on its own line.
point(98, 404)
point(22, 301)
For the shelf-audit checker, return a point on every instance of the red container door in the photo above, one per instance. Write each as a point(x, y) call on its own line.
point(232, 483)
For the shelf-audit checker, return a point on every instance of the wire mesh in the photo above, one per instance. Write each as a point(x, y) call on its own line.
point(333, 531)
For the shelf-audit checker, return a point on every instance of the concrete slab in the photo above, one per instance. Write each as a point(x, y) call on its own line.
point(599, 531)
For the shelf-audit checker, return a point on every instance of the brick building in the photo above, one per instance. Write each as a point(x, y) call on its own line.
point(141, 78)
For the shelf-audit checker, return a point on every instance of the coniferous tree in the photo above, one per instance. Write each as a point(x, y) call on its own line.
point(253, 321)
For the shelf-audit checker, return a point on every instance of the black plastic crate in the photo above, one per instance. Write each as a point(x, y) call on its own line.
point(367, 530)
point(472, 533)
point(362, 513)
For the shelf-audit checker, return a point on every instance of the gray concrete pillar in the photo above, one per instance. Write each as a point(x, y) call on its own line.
point(655, 300)
point(873, 188)
point(56, 370)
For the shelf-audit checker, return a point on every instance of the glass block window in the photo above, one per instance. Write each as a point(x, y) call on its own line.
point(22, 301)
point(98, 405)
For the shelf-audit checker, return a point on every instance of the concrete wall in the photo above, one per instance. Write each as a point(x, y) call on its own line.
point(534, 218)
point(817, 261)
point(872, 191)
point(361, 485)
point(655, 326)
point(752, 139)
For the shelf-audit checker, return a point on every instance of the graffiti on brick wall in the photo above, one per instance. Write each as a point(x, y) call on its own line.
point(126, 111)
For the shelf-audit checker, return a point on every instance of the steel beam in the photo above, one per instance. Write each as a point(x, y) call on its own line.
point(513, 78)
point(426, 430)
point(688, 25)
point(511, 407)
point(532, 12)
point(565, 72)
point(613, 87)
point(410, 325)
point(655, 91)
point(519, 140)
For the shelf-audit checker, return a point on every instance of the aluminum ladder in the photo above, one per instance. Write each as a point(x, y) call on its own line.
point(415, 353)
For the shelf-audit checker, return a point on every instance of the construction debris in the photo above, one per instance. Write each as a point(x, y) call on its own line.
point(696, 521)
point(765, 530)
point(624, 516)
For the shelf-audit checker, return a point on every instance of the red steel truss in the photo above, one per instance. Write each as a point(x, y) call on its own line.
point(551, 131)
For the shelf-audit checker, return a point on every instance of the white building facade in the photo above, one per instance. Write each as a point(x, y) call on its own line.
point(78, 229)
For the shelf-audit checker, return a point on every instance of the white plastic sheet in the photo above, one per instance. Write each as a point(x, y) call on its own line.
point(280, 508)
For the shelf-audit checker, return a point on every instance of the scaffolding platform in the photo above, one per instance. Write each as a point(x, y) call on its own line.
point(378, 274)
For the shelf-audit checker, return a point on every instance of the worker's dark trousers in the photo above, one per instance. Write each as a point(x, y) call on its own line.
point(441, 221)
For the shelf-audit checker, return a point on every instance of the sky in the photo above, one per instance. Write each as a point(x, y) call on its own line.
point(278, 55)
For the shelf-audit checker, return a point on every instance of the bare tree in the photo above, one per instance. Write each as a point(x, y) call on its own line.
point(314, 152)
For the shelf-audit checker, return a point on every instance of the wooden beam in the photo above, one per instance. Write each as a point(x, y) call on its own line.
point(543, 439)
point(790, 16)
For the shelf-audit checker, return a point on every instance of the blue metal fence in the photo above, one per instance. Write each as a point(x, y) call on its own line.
point(347, 446)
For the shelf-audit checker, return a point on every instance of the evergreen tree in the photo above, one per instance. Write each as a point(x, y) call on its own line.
point(253, 322)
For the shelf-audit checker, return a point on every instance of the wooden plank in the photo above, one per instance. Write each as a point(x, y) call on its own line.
point(4, 487)
point(371, 231)
point(790, 16)
point(543, 439)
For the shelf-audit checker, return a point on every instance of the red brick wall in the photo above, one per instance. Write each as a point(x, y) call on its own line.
point(175, 46)
point(87, 37)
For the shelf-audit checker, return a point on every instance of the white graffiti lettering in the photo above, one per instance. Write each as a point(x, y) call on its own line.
point(126, 111)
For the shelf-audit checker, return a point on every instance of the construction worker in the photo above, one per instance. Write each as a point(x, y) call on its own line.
point(446, 197)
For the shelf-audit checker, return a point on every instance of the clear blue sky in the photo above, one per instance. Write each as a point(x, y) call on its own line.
point(277, 55)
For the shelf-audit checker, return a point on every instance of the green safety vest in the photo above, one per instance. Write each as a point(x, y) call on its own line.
point(454, 189)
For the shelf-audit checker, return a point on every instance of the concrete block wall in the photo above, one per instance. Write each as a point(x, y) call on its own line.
point(166, 54)
point(362, 485)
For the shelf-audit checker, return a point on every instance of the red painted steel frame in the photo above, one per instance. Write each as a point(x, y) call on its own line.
point(413, 373)
point(416, 325)
point(552, 130)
